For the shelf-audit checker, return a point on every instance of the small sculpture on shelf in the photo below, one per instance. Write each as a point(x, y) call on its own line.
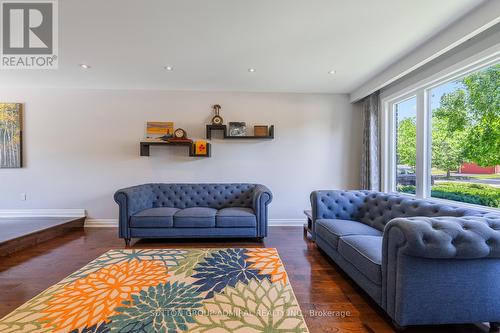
point(180, 135)
point(217, 119)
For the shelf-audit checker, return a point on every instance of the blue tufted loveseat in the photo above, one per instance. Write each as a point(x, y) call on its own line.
point(193, 211)
point(422, 262)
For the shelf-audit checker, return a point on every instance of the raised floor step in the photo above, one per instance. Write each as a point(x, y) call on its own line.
point(18, 233)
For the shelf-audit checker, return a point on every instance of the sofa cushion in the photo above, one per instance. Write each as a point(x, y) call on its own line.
point(195, 217)
point(162, 217)
point(236, 217)
point(331, 229)
point(364, 253)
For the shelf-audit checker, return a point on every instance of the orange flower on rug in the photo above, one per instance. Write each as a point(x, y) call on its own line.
point(267, 261)
point(92, 299)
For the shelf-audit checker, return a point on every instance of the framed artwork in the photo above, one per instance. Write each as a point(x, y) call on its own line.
point(160, 128)
point(237, 129)
point(11, 135)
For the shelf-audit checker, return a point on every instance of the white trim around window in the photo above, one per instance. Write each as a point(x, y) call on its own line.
point(421, 91)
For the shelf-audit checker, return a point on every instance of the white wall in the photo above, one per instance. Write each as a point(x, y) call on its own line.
point(82, 145)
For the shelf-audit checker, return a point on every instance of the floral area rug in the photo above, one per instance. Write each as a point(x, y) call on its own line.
point(165, 290)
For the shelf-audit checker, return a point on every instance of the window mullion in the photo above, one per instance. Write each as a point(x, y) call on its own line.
point(392, 149)
point(423, 146)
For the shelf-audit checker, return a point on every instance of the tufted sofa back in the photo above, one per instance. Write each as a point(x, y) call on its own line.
point(377, 208)
point(201, 195)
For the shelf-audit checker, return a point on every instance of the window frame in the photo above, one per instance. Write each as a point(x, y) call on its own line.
point(421, 90)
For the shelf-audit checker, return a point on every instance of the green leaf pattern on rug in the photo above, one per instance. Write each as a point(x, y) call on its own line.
point(191, 259)
point(164, 308)
point(259, 306)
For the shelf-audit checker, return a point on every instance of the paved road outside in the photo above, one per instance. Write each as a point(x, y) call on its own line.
point(495, 182)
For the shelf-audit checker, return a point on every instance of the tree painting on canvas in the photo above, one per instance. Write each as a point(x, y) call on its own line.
point(11, 135)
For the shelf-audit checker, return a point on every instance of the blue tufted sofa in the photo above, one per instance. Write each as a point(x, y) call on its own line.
point(423, 263)
point(193, 210)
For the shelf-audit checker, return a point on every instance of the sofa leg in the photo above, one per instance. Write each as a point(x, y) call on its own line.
point(495, 327)
point(260, 239)
point(127, 242)
point(398, 327)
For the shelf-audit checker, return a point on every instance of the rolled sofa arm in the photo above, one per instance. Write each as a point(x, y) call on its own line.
point(262, 197)
point(468, 237)
point(130, 201)
point(135, 198)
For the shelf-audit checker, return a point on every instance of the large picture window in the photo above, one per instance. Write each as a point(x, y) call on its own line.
point(444, 141)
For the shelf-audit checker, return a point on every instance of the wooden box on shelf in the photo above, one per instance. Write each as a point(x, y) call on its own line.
point(260, 130)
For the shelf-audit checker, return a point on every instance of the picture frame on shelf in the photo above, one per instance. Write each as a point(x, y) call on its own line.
point(159, 129)
point(237, 128)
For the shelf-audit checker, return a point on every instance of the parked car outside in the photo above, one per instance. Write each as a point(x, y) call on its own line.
point(406, 176)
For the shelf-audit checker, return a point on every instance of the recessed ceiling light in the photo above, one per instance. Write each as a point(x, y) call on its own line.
point(332, 71)
point(84, 66)
point(251, 70)
point(169, 68)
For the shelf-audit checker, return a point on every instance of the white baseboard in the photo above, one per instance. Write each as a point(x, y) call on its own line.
point(101, 223)
point(286, 222)
point(113, 223)
point(42, 213)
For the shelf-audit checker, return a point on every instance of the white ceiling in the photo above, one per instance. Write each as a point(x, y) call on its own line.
point(292, 44)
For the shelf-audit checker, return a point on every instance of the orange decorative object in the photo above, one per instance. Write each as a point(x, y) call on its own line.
point(267, 261)
point(92, 299)
point(200, 147)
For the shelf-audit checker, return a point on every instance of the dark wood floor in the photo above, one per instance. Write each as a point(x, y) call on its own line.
point(318, 284)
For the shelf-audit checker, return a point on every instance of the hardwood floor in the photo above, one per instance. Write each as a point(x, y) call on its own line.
point(319, 285)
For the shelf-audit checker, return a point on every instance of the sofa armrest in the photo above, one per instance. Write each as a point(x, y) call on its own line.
point(132, 200)
point(469, 237)
point(435, 263)
point(262, 197)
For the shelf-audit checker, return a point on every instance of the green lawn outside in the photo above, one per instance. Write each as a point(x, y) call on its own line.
point(493, 176)
point(479, 194)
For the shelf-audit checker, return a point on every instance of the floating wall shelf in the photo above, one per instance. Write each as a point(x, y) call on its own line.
point(146, 144)
point(223, 128)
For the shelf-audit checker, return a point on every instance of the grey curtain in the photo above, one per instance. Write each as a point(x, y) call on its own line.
point(370, 168)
